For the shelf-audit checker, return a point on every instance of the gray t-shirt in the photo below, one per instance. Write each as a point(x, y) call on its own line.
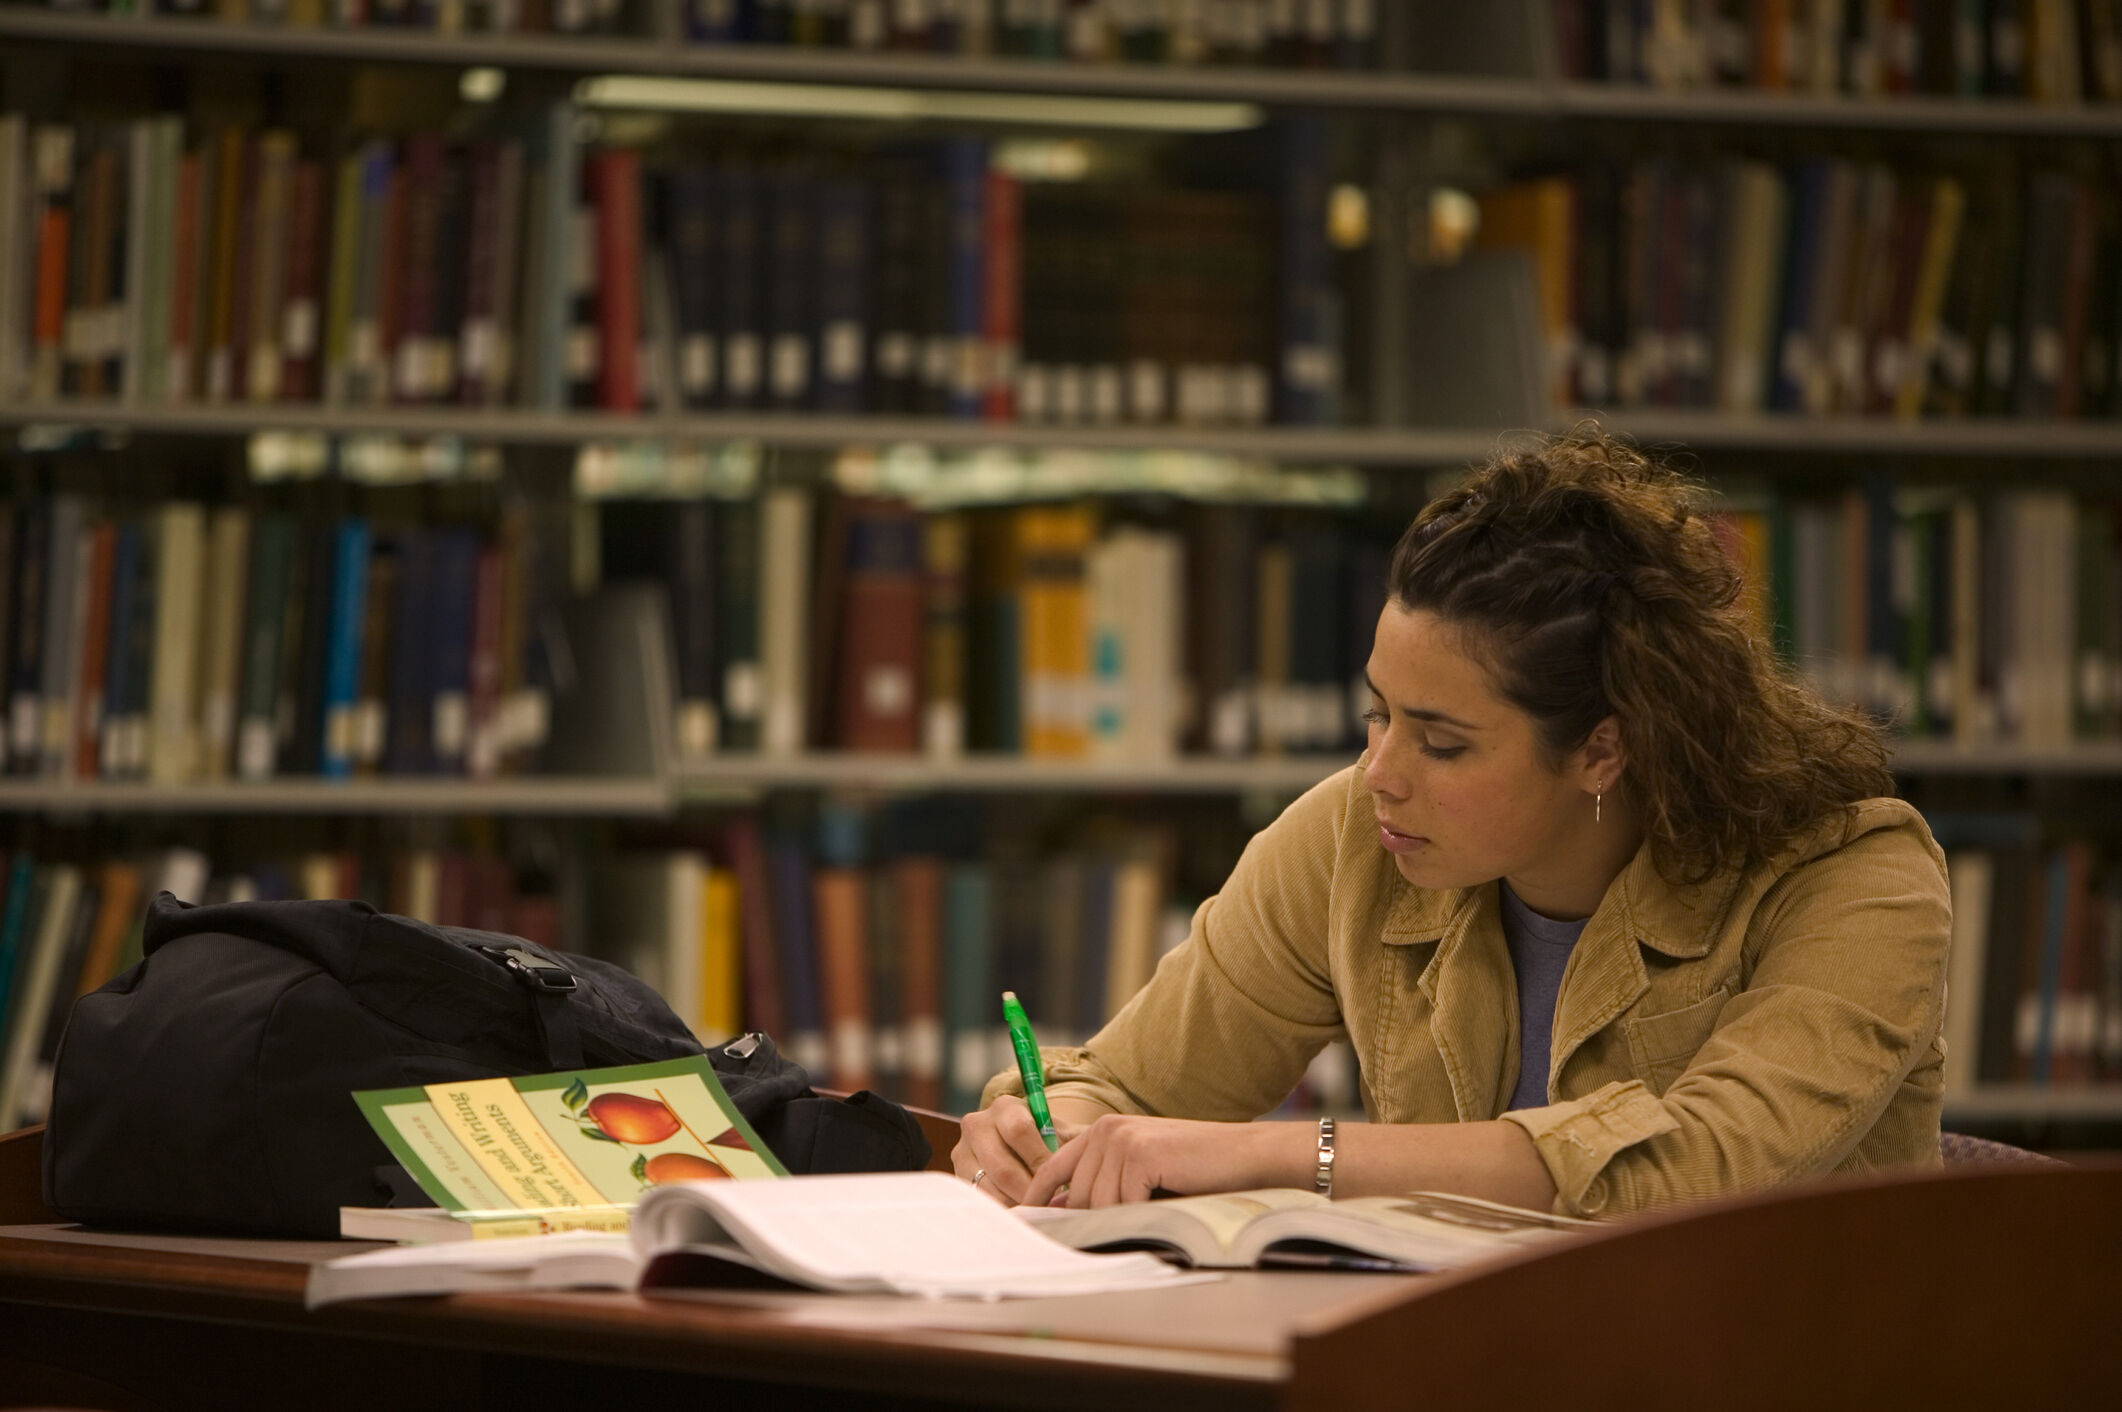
point(1539, 949)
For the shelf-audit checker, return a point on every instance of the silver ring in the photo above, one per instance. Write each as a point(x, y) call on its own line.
point(979, 1176)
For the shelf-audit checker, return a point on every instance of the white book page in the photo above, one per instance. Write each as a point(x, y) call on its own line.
point(508, 1253)
point(918, 1232)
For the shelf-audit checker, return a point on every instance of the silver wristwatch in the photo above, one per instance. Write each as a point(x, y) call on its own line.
point(1323, 1177)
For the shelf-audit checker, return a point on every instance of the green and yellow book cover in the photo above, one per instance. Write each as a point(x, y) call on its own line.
point(571, 1150)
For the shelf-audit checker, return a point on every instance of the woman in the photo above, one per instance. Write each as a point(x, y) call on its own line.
point(1612, 910)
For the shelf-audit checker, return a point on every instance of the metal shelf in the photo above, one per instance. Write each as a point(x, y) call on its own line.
point(1943, 757)
point(1741, 107)
point(1994, 437)
point(557, 795)
point(740, 777)
point(1348, 446)
point(1992, 1102)
point(787, 64)
point(1290, 445)
point(1393, 92)
point(1006, 774)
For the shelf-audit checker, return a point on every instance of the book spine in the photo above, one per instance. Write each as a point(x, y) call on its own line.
point(59, 670)
point(268, 274)
point(843, 292)
point(1002, 295)
point(302, 323)
point(918, 885)
point(371, 722)
point(264, 616)
point(945, 559)
point(692, 574)
point(965, 171)
point(173, 727)
point(791, 360)
point(454, 607)
point(1309, 359)
point(844, 1003)
point(483, 741)
point(879, 693)
point(739, 673)
point(784, 611)
point(409, 747)
point(17, 254)
point(743, 366)
point(615, 187)
point(342, 659)
point(95, 651)
point(227, 567)
point(52, 156)
point(694, 250)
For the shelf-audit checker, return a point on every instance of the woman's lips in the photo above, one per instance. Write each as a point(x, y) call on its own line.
point(1397, 842)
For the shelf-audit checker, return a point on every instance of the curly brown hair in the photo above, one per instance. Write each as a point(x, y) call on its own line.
point(1589, 580)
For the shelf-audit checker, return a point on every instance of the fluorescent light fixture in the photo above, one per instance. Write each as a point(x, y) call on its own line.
point(823, 100)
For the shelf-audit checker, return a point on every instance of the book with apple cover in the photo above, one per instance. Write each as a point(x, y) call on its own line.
point(1422, 1230)
point(545, 1152)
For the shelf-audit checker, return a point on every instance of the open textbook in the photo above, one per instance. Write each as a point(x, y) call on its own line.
point(554, 1152)
point(919, 1233)
point(1236, 1230)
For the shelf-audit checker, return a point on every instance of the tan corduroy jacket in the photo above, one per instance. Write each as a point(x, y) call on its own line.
point(1753, 1029)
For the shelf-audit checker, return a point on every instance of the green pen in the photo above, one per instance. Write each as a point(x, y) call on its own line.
point(1020, 1039)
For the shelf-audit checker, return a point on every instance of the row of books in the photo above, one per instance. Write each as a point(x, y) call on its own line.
point(1830, 287)
point(1283, 33)
point(240, 267)
point(2034, 994)
point(855, 623)
point(2052, 51)
point(887, 973)
point(65, 929)
point(1975, 619)
point(186, 643)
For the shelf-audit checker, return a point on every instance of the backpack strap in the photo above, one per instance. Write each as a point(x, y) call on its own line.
point(554, 987)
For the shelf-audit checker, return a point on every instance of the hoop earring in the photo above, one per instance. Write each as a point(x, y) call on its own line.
point(1598, 806)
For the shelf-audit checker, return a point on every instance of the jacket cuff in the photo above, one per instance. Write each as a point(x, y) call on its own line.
point(1070, 1073)
point(1579, 1138)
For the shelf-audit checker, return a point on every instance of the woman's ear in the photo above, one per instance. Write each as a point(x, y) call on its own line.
point(1603, 756)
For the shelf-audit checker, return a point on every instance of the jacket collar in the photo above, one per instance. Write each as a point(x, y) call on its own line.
point(1680, 922)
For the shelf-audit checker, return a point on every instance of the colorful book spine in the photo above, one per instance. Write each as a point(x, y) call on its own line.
point(342, 653)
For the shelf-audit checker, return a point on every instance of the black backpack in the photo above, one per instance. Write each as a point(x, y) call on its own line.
point(208, 1088)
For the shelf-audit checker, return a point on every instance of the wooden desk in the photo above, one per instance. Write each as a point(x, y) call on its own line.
point(1930, 1291)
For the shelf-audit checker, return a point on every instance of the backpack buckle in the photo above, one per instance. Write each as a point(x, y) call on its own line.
point(530, 968)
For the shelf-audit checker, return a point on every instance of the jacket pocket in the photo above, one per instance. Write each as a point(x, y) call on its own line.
point(1660, 1047)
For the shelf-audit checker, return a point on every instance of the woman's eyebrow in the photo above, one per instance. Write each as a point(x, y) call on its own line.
point(1416, 712)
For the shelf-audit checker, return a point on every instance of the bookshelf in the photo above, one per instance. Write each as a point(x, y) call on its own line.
point(1385, 448)
point(1535, 97)
point(1505, 83)
point(737, 779)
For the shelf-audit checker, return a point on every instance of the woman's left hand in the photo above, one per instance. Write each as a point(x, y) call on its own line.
point(1125, 1157)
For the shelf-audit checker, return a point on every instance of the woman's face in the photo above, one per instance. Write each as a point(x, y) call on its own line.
point(1464, 794)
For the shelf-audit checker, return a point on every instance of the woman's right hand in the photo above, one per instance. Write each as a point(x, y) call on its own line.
point(999, 1148)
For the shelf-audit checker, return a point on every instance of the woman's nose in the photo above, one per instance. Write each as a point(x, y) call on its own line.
point(1381, 776)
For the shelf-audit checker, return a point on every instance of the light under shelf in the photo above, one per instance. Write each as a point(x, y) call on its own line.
point(557, 795)
point(738, 774)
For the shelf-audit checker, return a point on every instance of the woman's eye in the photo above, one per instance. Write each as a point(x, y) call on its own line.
point(1442, 752)
point(1374, 717)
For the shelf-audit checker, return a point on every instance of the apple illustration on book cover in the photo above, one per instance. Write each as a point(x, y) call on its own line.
point(636, 1120)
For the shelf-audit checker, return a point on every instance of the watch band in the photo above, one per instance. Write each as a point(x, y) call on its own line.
point(1323, 1176)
